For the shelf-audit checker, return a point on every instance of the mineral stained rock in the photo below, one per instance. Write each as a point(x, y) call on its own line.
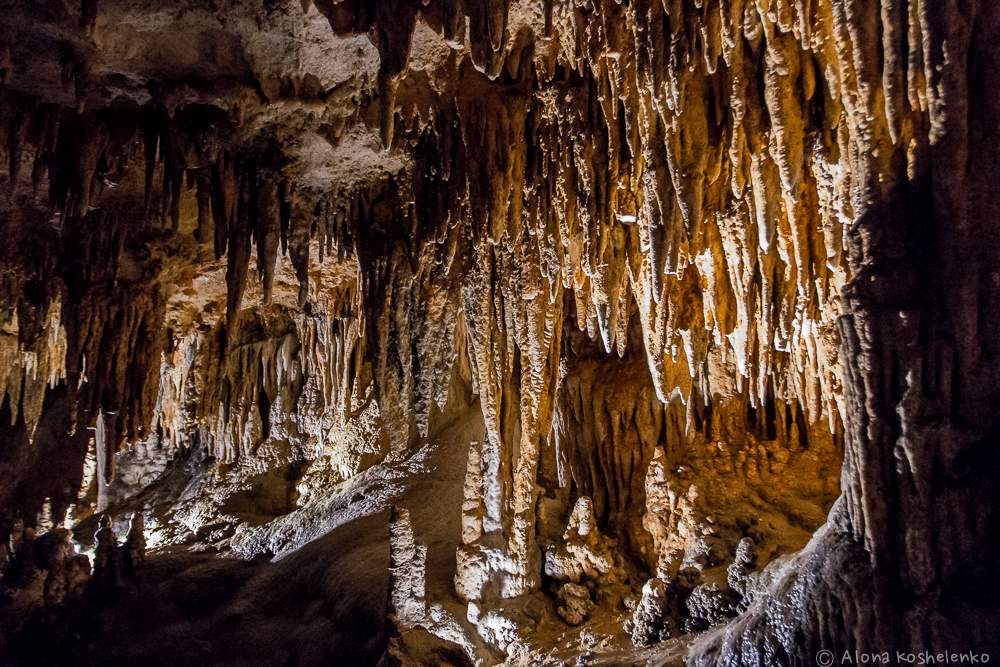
point(677, 316)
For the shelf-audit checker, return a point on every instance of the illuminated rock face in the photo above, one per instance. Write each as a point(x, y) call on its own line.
point(698, 268)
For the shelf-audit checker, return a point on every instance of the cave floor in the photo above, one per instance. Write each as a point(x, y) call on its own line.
point(323, 599)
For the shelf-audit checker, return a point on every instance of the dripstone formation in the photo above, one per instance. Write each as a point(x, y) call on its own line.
point(498, 331)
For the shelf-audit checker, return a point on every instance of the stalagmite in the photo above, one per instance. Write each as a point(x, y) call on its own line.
point(103, 473)
point(407, 563)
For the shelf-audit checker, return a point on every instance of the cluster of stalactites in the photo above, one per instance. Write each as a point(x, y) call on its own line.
point(686, 167)
point(721, 137)
point(243, 198)
point(299, 382)
point(28, 371)
point(244, 203)
point(703, 192)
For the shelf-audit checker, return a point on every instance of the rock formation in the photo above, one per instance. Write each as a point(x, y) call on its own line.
point(676, 315)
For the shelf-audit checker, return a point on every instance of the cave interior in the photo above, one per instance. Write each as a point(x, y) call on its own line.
point(478, 332)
